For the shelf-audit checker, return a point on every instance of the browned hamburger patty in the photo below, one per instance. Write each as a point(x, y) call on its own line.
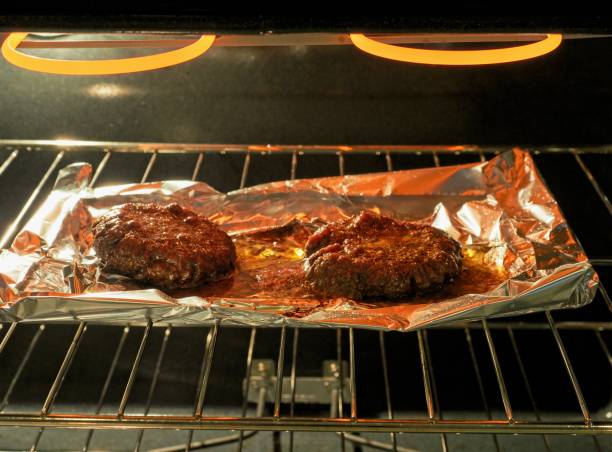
point(371, 255)
point(168, 246)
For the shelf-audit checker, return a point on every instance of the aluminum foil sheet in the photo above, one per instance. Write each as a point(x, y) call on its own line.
point(520, 255)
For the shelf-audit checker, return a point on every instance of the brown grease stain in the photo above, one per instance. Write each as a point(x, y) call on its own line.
point(271, 266)
point(477, 277)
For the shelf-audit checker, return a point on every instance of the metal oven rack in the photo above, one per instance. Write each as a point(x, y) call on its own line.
point(277, 381)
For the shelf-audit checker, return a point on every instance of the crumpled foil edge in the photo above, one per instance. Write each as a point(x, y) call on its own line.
point(502, 202)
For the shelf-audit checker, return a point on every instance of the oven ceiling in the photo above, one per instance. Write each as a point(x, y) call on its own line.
point(186, 17)
point(319, 95)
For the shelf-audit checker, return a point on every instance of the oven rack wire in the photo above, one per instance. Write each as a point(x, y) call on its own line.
point(344, 423)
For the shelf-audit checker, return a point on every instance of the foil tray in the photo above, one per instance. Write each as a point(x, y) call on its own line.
point(520, 255)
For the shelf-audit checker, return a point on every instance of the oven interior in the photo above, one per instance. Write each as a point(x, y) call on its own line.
point(533, 382)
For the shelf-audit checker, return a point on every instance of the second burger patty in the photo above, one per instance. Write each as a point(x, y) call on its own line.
point(371, 255)
point(168, 246)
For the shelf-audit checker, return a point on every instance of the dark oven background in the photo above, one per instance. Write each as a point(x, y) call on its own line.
point(320, 95)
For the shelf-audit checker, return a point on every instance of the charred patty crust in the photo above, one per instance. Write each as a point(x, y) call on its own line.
point(370, 255)
point(167, 246)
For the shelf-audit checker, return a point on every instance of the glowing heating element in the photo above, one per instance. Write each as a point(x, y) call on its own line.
point(457, 57)
point(102, 67)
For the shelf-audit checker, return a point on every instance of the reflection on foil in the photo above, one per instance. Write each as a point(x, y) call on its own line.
point(520, 255)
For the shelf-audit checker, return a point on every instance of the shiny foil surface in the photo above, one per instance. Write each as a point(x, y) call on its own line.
point(520, 255)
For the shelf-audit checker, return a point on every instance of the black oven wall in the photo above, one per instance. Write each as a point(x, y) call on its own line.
point(319, 94)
